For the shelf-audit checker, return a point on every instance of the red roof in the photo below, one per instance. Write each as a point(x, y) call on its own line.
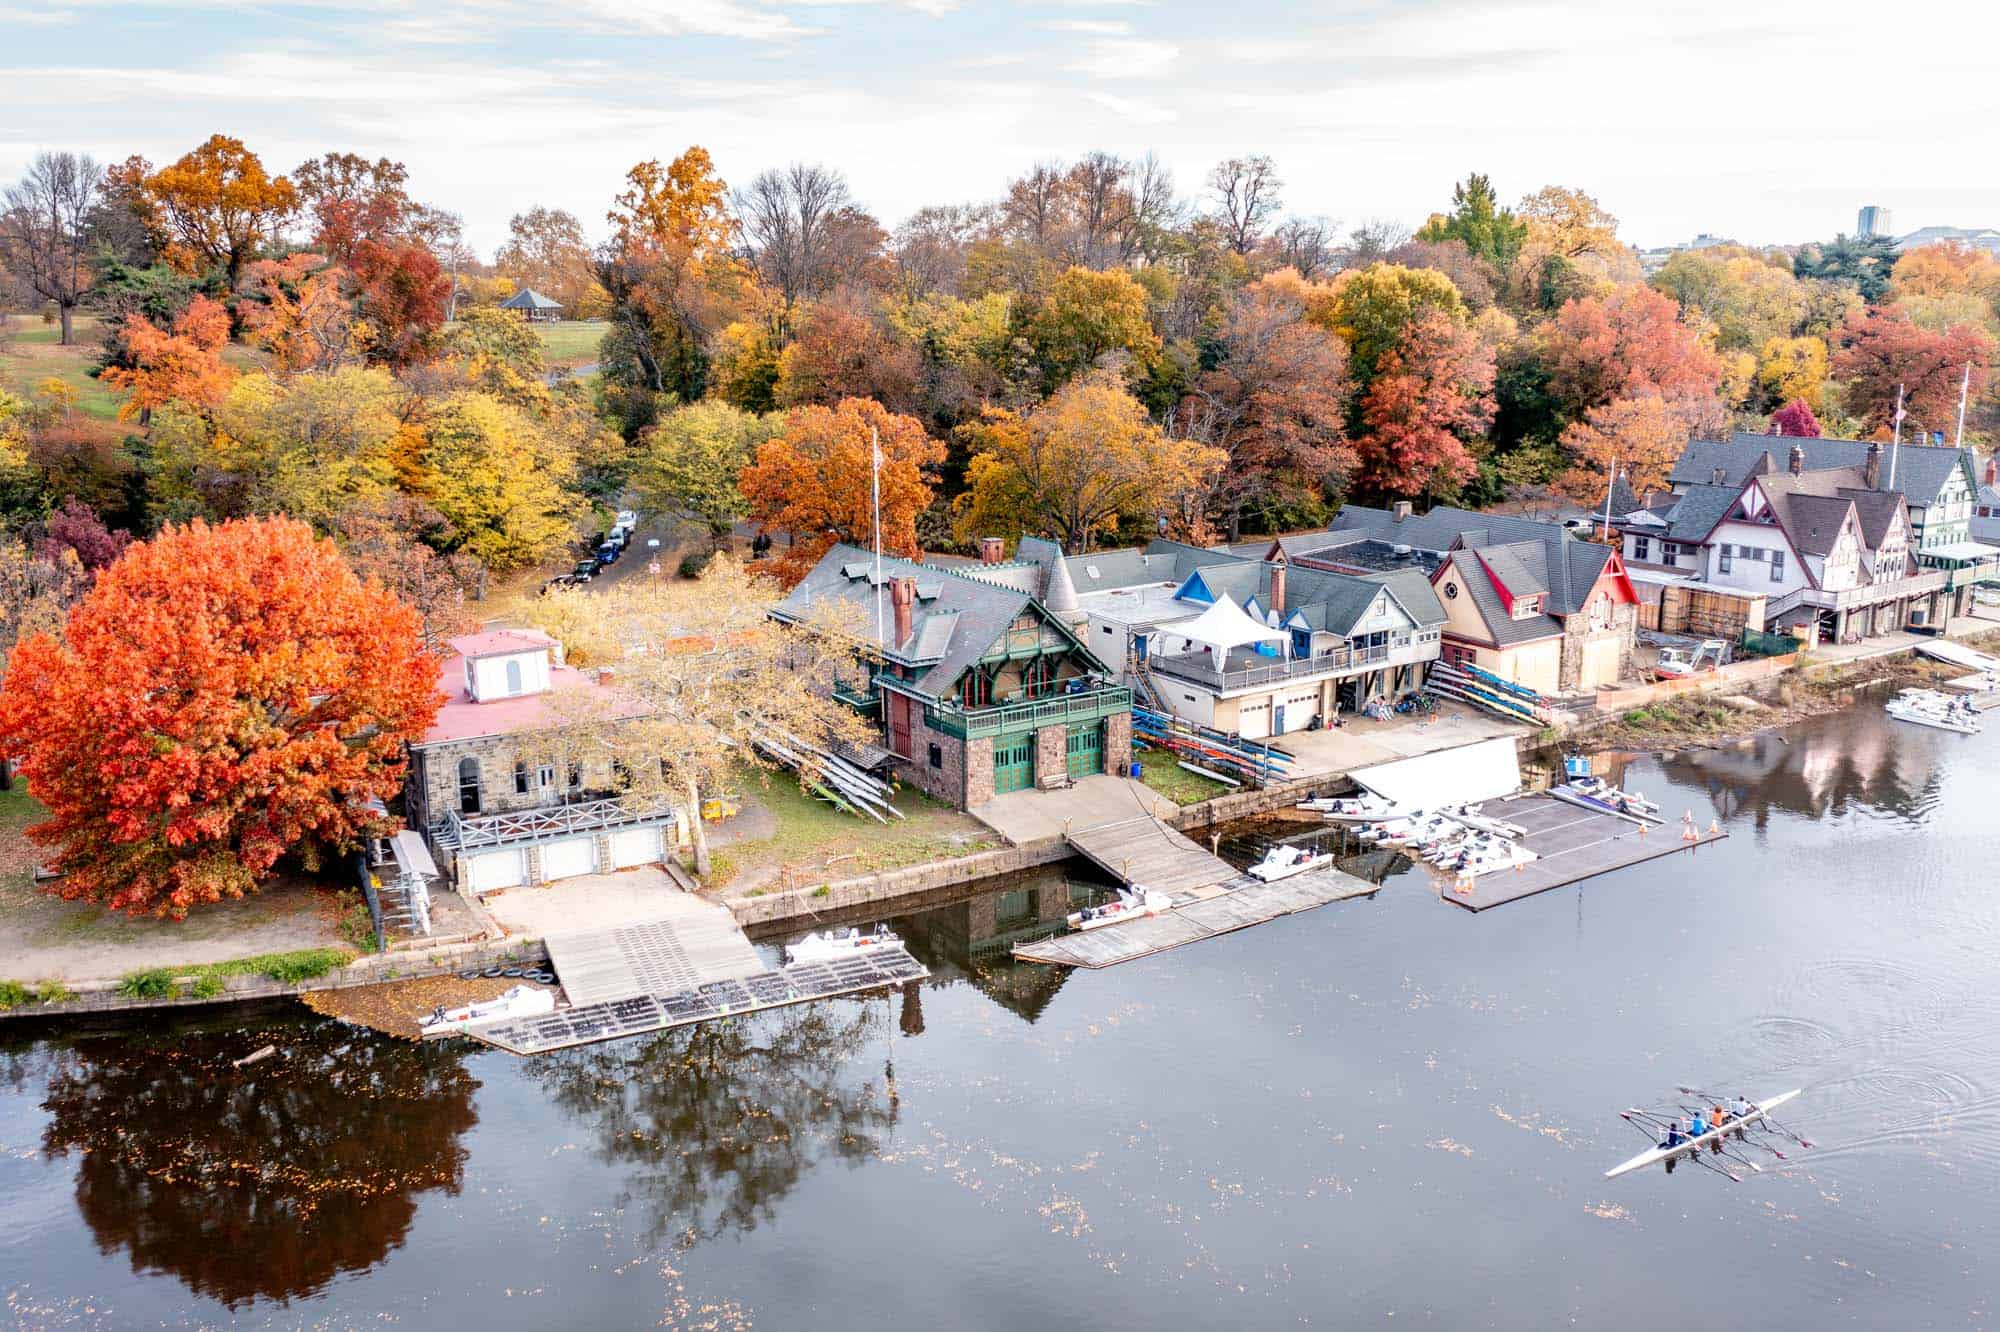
point(462, 719)
point(494, 641)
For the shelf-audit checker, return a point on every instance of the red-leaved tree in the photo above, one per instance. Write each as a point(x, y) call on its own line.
point(1432, 393)
point(1621, 345)
point(1796, 420)
point(76, 527)
point(223, 696)
point(1885, 350)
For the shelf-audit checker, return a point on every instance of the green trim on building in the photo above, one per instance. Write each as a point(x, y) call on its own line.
point(1068, 709)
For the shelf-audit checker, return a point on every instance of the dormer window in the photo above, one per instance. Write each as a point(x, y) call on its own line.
point(1527, 607)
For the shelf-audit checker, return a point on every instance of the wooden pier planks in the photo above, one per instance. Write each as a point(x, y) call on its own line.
point(1224, 909)
point(701, 942)
point(1573, 844)
point(1144, 851)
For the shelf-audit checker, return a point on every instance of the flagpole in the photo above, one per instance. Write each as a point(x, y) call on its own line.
point(1896, 440)
point(1964, 386)
point(875, 467)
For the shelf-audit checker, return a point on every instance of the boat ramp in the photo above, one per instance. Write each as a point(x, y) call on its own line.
point(1210, 896)
point(1570, 844)
point(689, 967)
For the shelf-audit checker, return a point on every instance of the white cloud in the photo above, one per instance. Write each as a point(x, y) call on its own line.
point(1125, 58)
point(1136, 110)
point(1098, 27)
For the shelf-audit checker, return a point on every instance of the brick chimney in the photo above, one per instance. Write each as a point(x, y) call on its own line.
point(1718, 476)
point(903, 602)
point(1400, 510)
point(1278, 590)
point(1796, 461)
point(989, 549)
point(1871, 467)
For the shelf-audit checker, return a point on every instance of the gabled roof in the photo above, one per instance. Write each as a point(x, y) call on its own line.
point(1877, 510)
point(1502, 629)
point(527, 298)
point(1695, 516)
point(1918, 470)
point(958, 616)
point(1443, 527)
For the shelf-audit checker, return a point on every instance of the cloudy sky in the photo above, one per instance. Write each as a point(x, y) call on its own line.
point(1765, 120)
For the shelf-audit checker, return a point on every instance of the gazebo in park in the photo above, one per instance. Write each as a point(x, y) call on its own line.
point(534, 307)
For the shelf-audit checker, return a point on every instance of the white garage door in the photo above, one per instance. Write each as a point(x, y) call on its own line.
point(1600, 663)
point(566, 860)
point(1300, 709)
point(635, 846)
point(496, 869)
point(1253, 720)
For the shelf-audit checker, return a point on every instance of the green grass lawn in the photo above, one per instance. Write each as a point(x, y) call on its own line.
point(785, 829)
point(571, 342)
point(1159, 770)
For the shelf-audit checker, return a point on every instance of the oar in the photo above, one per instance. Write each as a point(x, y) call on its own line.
point(1710, 1165)
point(1736, 1156)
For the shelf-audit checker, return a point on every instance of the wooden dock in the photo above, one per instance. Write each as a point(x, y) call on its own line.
point(1198, 913)
point(1144, 851)
point(1572, 844)
point(691, 965)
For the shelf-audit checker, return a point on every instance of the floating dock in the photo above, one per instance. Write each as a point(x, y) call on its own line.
point(1571, 844)
point(690, 967)
point(1197, 914)
point(1144, 851)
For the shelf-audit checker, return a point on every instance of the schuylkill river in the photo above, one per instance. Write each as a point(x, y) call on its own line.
point(1385, 1112)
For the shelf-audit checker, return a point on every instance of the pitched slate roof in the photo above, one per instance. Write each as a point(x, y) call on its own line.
point(1441, 528)
point(527, 298)
point(957, 617)
point(1876, 509)
point(1918, 470)
point(1501, 627)
point(1699, 510)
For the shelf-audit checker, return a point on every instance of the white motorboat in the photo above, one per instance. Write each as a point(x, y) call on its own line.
point(833, 945)
point(1739, 1127)
point(1485, 857)
point(1131, 904)
point(1926, 707)
point(1596, 793)
point(1364, 808)
point(1284, 860)
point(519, 1001)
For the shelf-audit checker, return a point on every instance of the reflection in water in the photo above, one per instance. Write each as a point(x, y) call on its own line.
point(307, 1165)
point(721, 1121)
point(973, 940)
point(1822, 768)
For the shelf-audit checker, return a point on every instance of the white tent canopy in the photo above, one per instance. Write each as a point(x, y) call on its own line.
point(1486, 770)
point(1224, 625)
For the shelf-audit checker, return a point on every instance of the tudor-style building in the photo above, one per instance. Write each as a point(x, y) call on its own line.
point(976, 676)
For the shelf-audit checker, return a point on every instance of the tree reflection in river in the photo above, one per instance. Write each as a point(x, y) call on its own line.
point(264, 1182)
point(1821, 768)
point(720, 1121)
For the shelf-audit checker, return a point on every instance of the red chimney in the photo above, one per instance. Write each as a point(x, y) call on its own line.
point(1796, 460)
point(1278, 590)
point(990, 549)
point(903, 601)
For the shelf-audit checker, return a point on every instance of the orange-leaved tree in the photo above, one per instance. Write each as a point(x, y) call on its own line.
point(222, 697)
point(814, 481)
point(183, 363)
point(220, 206)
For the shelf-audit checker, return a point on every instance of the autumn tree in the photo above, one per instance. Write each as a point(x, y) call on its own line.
point(220, 205)
point(1490, 233)
point(1796, 420)
point(1430, 397)
point(1246, 194)
point(181, 364)
point(1793, 370)
point(223, 697)
point(349, 199)
point(545, 249)
point(1275, 404)
point(813, 481)
point(1597, 349)
point(1371, 306)
point(1886, 352)
point(400, 292)
point(804, 232)
point(1570, 223)
point(690, 461)
point(1086, 315)
point(45, 231)
point(393, 542)
point(299, 312)
point(500, 477)
point(76, 530)
point(840, 351)
point(1748, 298)
point(1075, 465)
point(1643, 436)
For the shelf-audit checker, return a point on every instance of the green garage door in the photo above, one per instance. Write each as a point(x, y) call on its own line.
point(1086, 749)
point(1013, 763)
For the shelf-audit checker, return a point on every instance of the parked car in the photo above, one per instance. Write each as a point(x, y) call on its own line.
point(608, 552)
point(627, 519)
point(560, 580)
point(584, 571)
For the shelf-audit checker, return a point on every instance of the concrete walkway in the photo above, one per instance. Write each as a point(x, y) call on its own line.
point(1362, 741)
point(1030, 816)
point(596, 901)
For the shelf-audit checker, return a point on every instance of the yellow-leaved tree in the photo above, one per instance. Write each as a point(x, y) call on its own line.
point(499, 477)
point(1075, 465)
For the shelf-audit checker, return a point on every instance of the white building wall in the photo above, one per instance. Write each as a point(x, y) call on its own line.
point(1751, 573)
point(486, 677)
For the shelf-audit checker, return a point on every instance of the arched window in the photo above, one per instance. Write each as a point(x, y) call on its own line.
point(468, 786)
point(514, 685)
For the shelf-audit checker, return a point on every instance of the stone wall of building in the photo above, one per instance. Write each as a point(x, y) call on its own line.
point(1051, 756)
point(1577, 633)
point(947, 781)
point(1118, 743)
point(978, 771)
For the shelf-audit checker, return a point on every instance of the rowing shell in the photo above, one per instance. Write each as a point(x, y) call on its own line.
point(1655, 1155)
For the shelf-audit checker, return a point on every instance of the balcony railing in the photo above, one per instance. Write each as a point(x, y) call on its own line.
point(548, 823)
point(1914, 586)
point(1065, 709)
point(1202, 670)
